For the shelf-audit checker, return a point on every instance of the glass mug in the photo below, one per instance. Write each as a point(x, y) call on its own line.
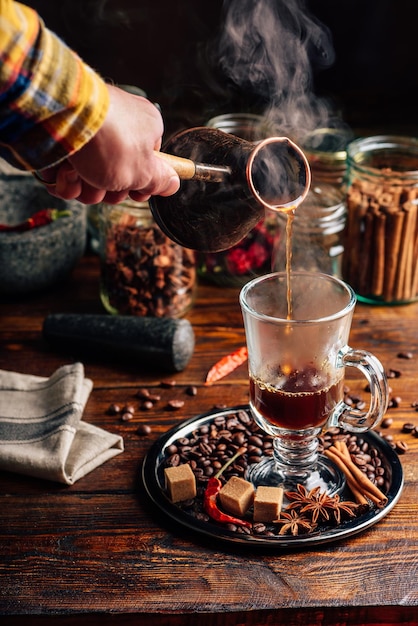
point(297, 339)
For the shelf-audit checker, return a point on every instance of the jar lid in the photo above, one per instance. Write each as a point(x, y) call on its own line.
point(327, 145)
point(249, 126)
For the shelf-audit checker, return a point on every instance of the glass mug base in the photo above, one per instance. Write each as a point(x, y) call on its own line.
point(323, 474)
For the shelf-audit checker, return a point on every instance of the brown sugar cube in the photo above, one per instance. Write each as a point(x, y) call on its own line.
point(180, 482)
point(236, 496)
point(267, 503)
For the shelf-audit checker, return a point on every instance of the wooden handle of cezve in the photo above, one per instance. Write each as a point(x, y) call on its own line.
point(185, 168)
point(188, 169)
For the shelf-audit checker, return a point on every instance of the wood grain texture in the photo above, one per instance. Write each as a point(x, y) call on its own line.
point(98, 552)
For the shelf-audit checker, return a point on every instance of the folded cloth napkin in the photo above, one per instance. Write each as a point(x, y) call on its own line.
point(41, 430)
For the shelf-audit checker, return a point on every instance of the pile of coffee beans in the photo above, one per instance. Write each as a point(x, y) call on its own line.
point(145, 273)
point(208, 448)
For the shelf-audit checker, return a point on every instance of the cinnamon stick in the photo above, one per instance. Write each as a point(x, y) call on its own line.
point(393, 233)
point(362, 487)
point(404, 270)
point(366, 267)
point(357, 206)
point(414, 282)
point(378, 276)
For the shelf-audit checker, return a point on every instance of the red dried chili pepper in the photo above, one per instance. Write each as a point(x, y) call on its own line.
point(40, 218)
point(211, 493)
point(226, 365)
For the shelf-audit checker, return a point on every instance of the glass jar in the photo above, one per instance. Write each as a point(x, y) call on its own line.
point(326, 151)
point(316, 237)
point(380, 260)
point(251, 256)
point(143, 272)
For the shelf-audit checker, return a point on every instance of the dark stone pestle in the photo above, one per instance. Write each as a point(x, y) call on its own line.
point(158, 343)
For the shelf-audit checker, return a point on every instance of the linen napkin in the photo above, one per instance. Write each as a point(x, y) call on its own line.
point(41, 430)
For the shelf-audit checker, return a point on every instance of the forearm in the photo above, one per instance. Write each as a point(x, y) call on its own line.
point(51, 103)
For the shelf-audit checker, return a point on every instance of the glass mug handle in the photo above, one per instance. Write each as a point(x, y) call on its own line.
point(356, 420)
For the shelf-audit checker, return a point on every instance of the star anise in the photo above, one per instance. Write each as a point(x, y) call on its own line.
point(319, 506)
point(294, 523)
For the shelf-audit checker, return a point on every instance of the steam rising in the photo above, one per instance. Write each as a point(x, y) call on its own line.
point(270, 47)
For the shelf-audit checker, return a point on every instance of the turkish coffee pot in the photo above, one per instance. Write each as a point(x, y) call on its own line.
point(227, 183)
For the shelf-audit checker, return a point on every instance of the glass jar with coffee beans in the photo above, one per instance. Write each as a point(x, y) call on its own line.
point(143, 272)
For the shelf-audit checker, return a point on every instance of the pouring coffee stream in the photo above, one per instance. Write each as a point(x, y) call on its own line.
point(227, 183)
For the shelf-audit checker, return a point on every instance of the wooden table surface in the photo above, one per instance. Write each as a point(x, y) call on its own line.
point(98, 552)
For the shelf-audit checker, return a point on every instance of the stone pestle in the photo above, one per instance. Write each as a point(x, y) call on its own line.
point(158, 343)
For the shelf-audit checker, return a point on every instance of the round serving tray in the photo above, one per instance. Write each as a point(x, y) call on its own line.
point(153, 480)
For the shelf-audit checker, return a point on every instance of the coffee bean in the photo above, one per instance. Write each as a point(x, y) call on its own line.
point(239, 438)
point(255, 441)
point(206, 449)
point(173, 460)
point(388, 438)
point(174, 405)
point(405, 355)
point(154, 397)
point(126, 416)
point(191, 390)
point(254, 451)
point(167, 384)
point(142, 393)
point(385, 423)
point(408, 427)
point(144, 429)
point(253, 459)
point(259, 528)
point(128, 408)
point(243, 417)
point(401, 447)
point(391, 373)
point(147, 405)
point(113, 409)
point(394, 402)
point(232, 527)
point(359, 460)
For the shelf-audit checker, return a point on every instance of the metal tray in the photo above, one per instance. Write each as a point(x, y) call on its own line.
point(153, 480)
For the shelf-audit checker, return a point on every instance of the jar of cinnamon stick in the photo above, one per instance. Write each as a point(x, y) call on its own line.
point(380, 259)
point(143, 272)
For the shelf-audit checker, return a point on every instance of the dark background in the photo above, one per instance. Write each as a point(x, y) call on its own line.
point(160, 46)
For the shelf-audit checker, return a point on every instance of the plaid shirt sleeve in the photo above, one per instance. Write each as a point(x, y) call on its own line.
point(51, 102)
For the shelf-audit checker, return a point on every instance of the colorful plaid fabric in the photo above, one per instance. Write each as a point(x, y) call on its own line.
point(51, 103)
